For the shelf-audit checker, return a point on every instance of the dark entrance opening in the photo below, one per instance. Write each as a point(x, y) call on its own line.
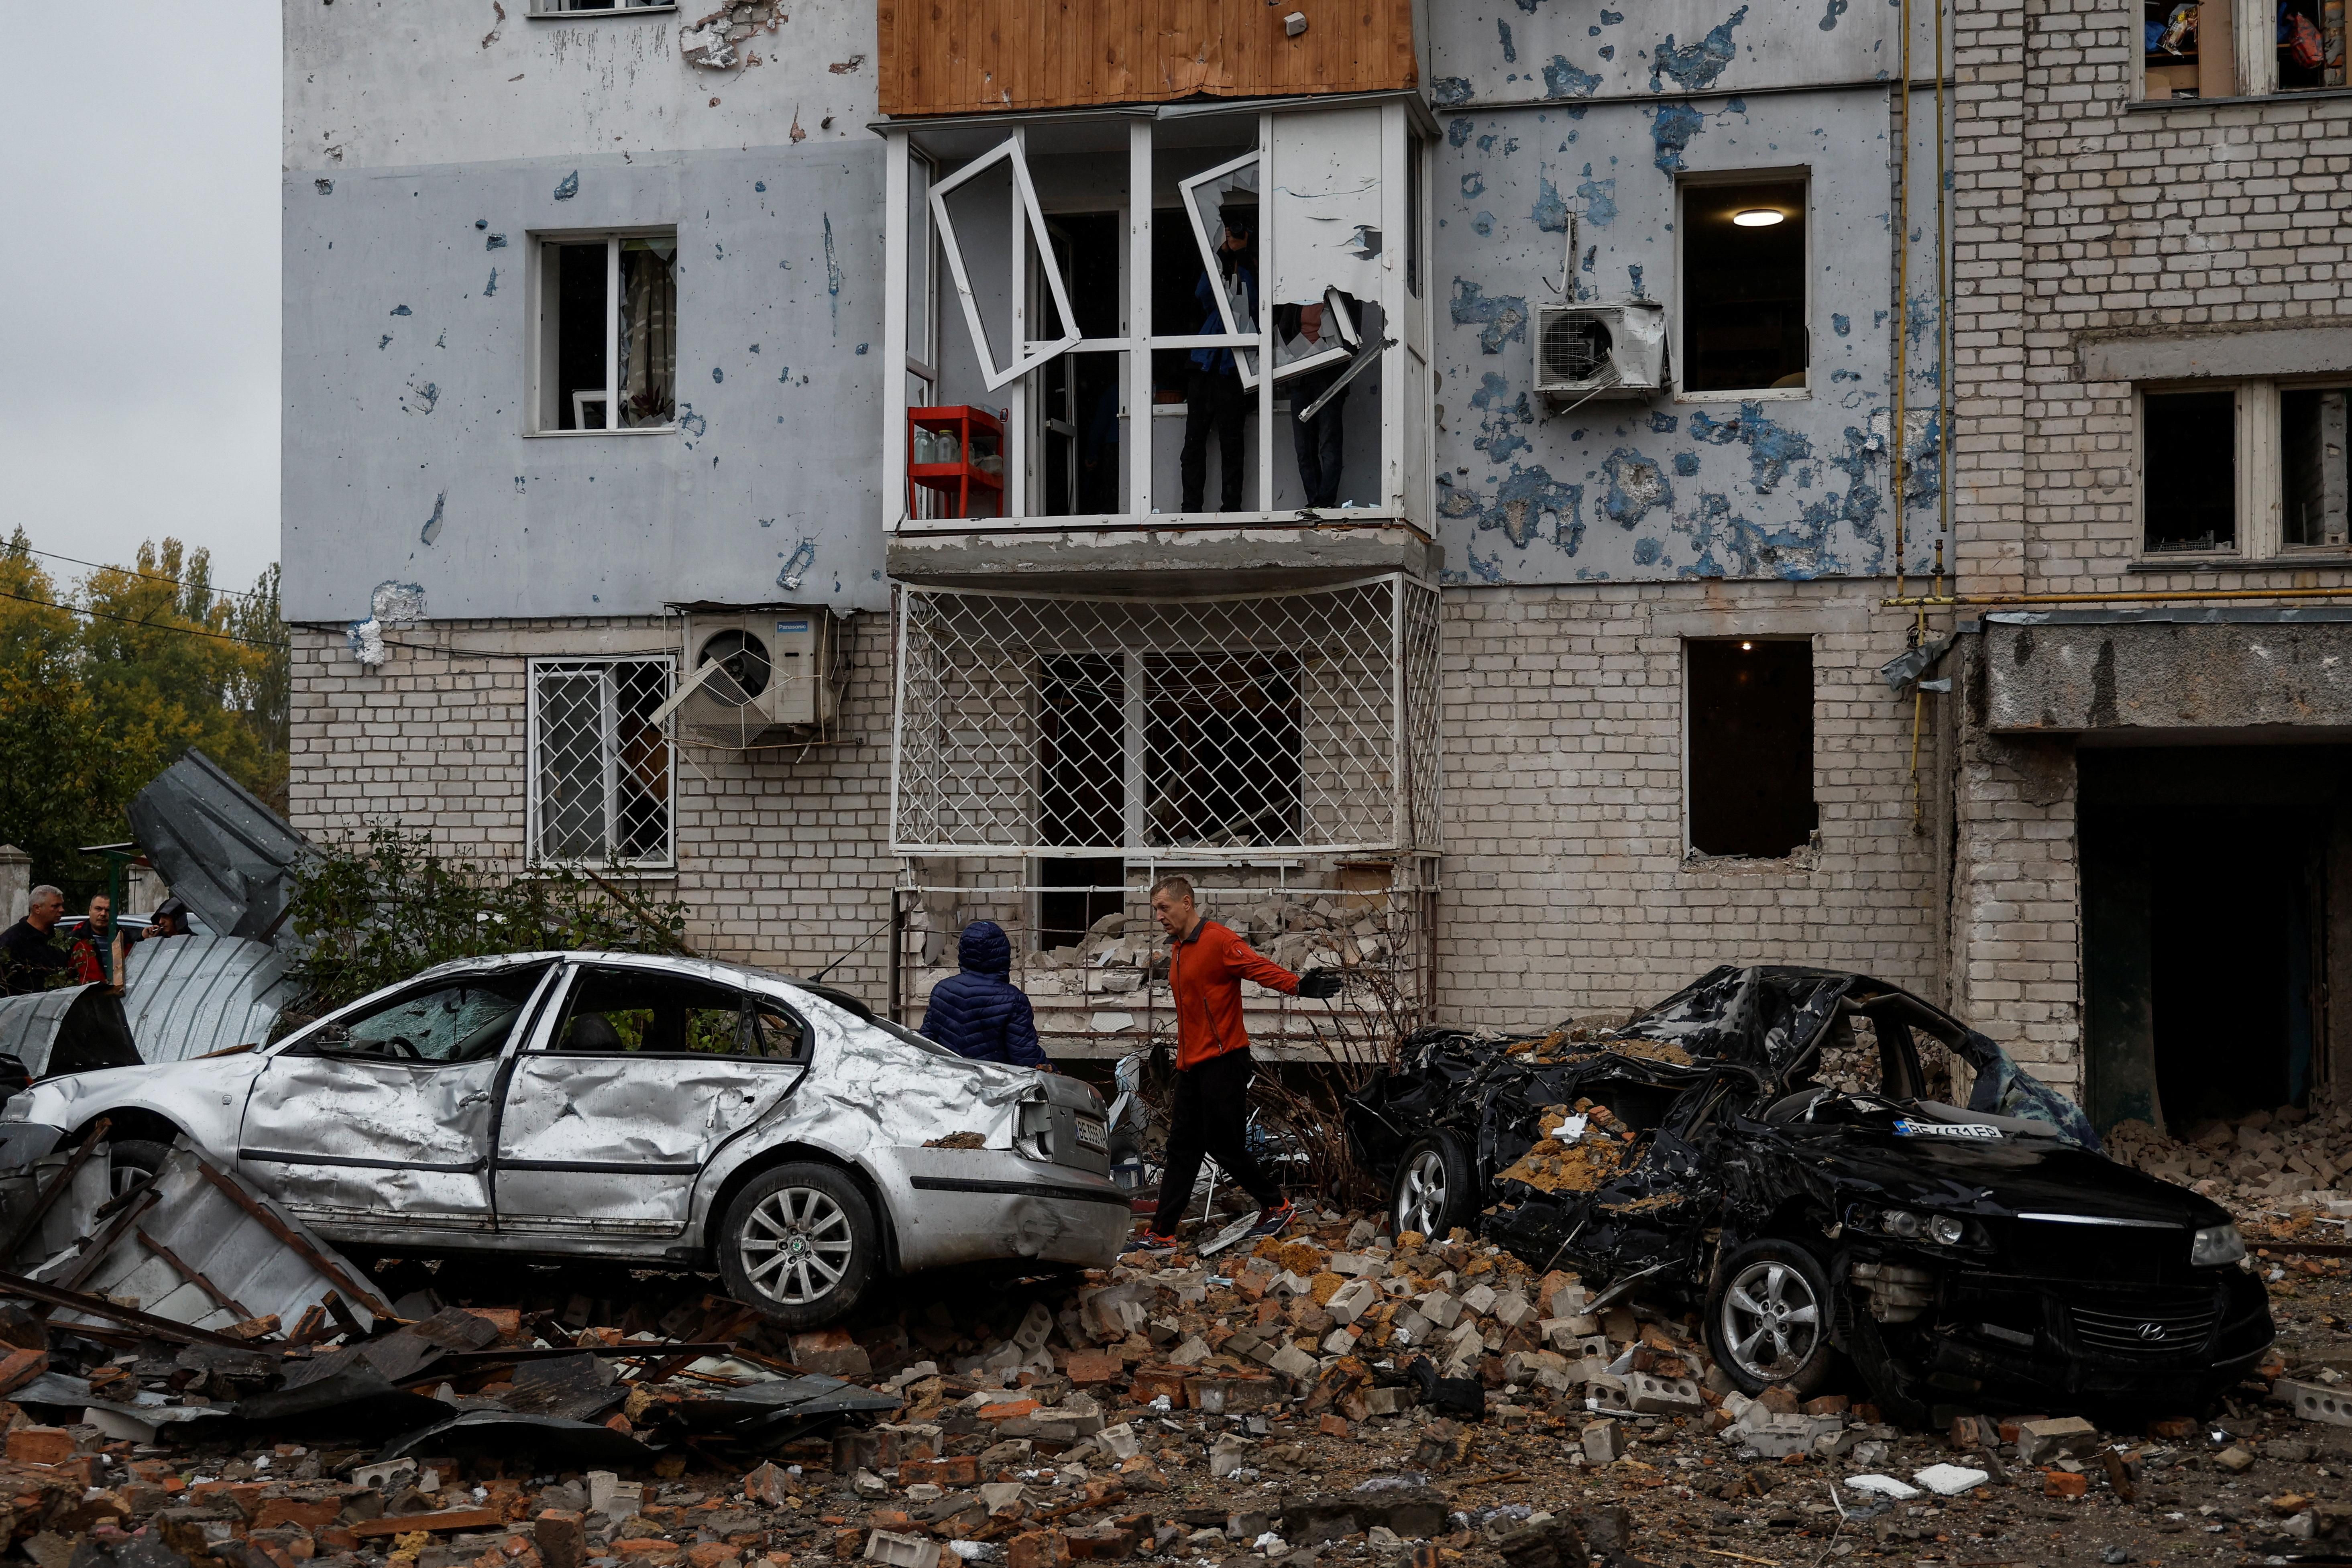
point(2205, 897)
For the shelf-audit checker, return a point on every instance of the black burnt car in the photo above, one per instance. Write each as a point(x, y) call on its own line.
point(1986, 1254)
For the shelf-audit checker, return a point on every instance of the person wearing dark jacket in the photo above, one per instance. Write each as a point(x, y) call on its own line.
point(979, 1012)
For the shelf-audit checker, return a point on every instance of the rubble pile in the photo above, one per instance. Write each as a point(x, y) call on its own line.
point(2283, 1160)
point(1343, 1394)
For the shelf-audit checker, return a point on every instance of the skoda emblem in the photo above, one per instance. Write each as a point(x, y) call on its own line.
point(2151, 1331)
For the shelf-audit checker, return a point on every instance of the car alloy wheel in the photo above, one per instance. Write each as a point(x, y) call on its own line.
point(797, 1244)
point(1422, 1193)
point(1771, 1320)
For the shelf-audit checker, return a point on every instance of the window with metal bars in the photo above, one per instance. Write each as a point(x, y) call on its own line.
point(601, 772)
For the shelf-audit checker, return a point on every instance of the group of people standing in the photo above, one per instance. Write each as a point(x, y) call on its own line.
point(1216, 402)
point(979, 1013)
point(95, 954)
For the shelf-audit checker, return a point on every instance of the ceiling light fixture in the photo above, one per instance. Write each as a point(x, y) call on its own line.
point(1759, 217)
point(1748, 648)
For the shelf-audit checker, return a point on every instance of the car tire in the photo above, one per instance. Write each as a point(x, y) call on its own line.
point(1435, 1188)
point(131, 1160)
point(1769, 1317)
point(799, 1243)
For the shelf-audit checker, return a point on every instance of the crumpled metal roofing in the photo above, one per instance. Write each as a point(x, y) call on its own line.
point(191, 995)
point(68, 1030)
point(224, 852)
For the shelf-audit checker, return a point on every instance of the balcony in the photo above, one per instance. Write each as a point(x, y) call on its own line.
point(1153, 307)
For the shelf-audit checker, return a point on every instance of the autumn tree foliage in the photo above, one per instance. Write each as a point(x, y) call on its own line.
point(106, 678)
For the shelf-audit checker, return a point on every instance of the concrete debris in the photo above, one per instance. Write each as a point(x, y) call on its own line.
point(1176, 1410)
point(2278, 1163)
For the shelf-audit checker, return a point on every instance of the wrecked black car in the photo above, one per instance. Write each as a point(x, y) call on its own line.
point(1740, 1143)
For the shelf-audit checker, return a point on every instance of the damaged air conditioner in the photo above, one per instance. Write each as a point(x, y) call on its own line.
point(758, 678)
point(1600, 351)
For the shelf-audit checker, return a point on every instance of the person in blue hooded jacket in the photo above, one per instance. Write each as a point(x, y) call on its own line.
point(979, 1012)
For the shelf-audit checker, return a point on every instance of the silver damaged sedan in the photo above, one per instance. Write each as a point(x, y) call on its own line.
point(636, 1108)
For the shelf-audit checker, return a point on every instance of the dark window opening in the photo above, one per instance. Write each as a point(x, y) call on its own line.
point(1750, 723)
point(579, 337)
point(1744, 286)
point(2314, 449)
point(2188, 470)
point(1080, 431)
point(1082, 751)
point(1223, 750)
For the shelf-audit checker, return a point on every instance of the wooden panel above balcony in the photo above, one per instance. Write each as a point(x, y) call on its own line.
point(966, 56)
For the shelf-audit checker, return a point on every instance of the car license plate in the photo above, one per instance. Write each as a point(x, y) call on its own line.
point(1093, 1134)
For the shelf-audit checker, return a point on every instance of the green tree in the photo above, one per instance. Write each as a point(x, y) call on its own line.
point(99, 697)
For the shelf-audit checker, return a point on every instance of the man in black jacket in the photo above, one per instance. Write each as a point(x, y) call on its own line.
point(28, 957)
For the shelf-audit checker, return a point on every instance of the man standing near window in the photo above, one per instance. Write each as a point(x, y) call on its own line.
point(1208, 1110)
point(1320, 440)
point(1213, 390)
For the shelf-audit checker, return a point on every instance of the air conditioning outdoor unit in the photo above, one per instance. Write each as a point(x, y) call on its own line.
point(1600, 351)
point(759, 677)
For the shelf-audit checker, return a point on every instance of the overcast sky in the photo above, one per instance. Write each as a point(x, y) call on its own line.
point(139, 283)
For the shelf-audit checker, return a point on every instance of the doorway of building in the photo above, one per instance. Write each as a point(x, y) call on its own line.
point(2207, 877)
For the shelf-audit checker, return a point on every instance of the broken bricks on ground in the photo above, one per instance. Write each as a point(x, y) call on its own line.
point(1338, 1394)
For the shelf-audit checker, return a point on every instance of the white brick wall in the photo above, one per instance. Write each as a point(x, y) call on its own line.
point(782, 860)
point(2073, 214)
point(1565, 888)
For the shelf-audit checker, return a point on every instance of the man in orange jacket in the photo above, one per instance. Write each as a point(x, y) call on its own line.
point(1209, 1112)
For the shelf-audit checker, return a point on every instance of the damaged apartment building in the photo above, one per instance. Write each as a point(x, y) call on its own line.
point(839, 466)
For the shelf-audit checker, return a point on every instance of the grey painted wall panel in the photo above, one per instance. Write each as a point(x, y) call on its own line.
point(1673, 488)
point(1500, 51)
point(412, 82)
point(406, 458)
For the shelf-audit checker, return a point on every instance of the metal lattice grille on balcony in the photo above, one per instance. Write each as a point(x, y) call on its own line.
point(601, 771)
point(1303, 722)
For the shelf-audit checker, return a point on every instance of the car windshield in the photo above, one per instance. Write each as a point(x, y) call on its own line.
point(456, 1021)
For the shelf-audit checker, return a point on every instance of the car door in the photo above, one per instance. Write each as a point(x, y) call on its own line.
point(381, 1120)
point(628, 1090)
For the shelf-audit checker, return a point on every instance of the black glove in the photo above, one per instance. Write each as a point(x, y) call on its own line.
point(1321, 984)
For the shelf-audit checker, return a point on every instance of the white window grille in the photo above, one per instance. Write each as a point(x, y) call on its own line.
point(601, 775)
point(1301, 721)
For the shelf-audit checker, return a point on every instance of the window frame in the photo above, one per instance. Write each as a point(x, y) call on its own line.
point(1678, 348)
point(2259, 454)
point(543, 339)
point(537, 671)
point(309, 1042)
point(1691, 847)
point(1028, 353)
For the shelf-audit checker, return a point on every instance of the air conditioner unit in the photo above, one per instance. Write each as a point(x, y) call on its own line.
point(1600, 351)
point(763, 678)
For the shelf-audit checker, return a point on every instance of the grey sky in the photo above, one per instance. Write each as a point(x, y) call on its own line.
point(138, 320)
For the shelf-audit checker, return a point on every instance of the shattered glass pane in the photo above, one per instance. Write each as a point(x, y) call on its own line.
point(462, 1023)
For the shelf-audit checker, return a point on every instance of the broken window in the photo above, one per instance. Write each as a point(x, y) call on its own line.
point(2189, 471)
point(465, 1021)
point(1743, 286)
point(608, 332)
point(2313, 444)
point(1748, 725)
point(993, 235)
point(601, 771)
